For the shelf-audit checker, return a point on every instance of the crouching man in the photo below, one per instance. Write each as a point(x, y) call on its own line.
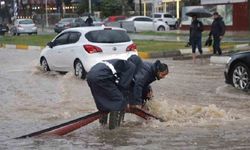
point(109, 82)
point(118, 85)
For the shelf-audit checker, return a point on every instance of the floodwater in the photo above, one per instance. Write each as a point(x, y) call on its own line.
point(201, 112)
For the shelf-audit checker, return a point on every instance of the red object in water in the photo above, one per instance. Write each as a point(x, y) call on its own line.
point(72, 125)
point(67, 127)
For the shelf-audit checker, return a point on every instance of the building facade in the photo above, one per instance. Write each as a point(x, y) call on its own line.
point(235, 13)
point(240, 12)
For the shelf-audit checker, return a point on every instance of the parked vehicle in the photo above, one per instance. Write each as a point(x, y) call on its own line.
point(23, 26)
point(114, 19)
point(167, 18)
point(78, 49)
point(66, 23)
point(144, 23)
point(3, 29)
point(96, 21)
point(237, 72)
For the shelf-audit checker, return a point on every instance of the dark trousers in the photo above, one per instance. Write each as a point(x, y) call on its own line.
point(196, 42)
point(216, 45)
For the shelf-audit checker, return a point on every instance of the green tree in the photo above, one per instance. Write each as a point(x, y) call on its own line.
point(111, 7)
point(82, 7)
point(191, 2)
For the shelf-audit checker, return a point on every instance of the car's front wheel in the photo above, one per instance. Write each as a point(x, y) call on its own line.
point(161, 28)
point(45, 65)
point(79, 70)
point(240, 76)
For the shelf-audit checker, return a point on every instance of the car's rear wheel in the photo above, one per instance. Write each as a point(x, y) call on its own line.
point(161, 28)
point(79, 70)
point(45, 65)
point(240, 76)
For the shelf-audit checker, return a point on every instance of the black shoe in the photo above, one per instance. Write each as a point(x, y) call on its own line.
point(115, 119)
point(103, 120)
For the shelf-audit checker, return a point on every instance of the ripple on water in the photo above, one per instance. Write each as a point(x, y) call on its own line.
point(181, 115)
point(231, 92)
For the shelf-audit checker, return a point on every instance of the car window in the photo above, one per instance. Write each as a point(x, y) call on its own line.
point(66, 20)
point(157, 15)
point(107, 36)
point(28, 21)
point(78, 20)
point(120, 18)
point(167, 16)
point(62, 39)
point(74, 37)
point(143, 19)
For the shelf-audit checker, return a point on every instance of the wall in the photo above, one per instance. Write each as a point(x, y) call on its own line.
point(241, 18)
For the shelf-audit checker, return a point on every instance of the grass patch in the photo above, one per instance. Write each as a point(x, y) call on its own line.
point(34, 40)
point(142, 45)
point(150, 46)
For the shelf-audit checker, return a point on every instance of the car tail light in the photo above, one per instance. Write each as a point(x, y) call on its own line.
point(131, 47)
point(92, 49)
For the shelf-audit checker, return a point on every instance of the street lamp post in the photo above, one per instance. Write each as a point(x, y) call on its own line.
point(89, 6)
point(46, 13)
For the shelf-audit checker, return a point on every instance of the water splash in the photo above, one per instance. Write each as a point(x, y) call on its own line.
point(179, 115)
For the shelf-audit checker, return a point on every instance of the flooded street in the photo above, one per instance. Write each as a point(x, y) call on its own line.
point(200, 110)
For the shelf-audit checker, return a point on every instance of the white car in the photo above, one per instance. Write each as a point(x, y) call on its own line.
point(167, 18)
point(78, 49)
point(23, 26)
point(144, 23)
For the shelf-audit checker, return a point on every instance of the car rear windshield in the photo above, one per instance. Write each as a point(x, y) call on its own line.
point(157, 15)
point(107, 36)
point(26, 22)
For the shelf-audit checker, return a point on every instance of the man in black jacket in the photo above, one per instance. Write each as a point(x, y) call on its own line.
point(148, 73)
point(217, 31)
point(110, 82)
point(195, 37)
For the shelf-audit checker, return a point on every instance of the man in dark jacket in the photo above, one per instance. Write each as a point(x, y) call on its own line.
point(196, 29)
point(148, 73)
point(217, 31)
point(109, 82)
point(89, 21)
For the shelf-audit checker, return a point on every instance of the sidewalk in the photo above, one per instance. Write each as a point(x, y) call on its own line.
point(184, 38)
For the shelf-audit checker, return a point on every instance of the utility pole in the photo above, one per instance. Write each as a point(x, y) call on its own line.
point(140, 7)
point(46, 14)
point(90, 7)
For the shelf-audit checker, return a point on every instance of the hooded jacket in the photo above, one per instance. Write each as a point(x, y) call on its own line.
point(109, 94)
point(218, 27)
point(196, 28)
point(142, 79)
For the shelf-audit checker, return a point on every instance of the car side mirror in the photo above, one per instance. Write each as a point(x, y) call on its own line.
point(51, 44)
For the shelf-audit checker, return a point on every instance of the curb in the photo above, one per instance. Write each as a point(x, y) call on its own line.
point(177, 54)
point(20, 46)
point(219, 59)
